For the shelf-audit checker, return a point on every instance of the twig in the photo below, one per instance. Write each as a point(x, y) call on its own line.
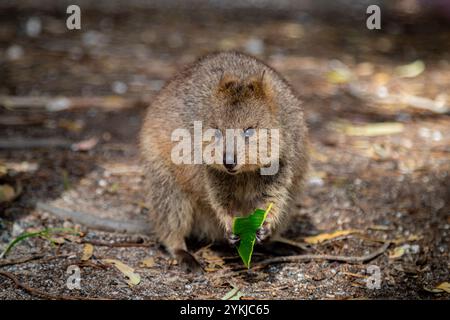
point(29, 143)
point(117, 244)
point(43, 294)
point(21, 121)
point(91, 221)
point(11, 262)
point(291, 243)
point(39, 257)
point(351, 260)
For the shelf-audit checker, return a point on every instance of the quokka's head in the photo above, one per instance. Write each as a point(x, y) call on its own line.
point(243, 116)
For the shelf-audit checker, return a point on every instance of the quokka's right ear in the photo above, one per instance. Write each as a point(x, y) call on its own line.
point(258, 86)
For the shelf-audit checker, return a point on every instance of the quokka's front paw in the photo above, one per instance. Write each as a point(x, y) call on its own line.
point(233, 239)
point(263, 233)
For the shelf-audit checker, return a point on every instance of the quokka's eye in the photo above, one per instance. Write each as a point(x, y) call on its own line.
point(249, 132)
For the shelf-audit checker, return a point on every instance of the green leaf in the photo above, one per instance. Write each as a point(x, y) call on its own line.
point(230, 294)
point(45, 233)
point(245, 228)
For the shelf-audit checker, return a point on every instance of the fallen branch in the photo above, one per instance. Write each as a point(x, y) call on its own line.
point(93, 222)
point(422, 103)
point(43, 294)
point(33, 143)
point(347, 259)
point(69, 103)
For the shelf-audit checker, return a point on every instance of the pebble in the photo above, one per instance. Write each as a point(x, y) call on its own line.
point(316, 182)
point(14, 52)
point(93, 38)
point(16, 230)
point(119, 87)
point(33, 27)
point(254, 46)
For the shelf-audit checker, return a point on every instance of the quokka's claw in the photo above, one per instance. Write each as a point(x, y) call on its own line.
point(233, 239)
point(263, 234)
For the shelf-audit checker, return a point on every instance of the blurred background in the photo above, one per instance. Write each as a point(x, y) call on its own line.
point(377, 104)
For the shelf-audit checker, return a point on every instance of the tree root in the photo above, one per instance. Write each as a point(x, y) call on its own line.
point(347, 259)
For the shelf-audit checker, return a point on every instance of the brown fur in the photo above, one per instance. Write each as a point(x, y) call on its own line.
point(223, 90)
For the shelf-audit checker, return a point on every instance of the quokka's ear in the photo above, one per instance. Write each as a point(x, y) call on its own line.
point(236, 89)
point(228, 83)
point(258, 85)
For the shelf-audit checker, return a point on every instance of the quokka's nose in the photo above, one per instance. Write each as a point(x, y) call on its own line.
point(229, 161)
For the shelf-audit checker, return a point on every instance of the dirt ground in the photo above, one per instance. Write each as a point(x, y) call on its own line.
point(389, 186)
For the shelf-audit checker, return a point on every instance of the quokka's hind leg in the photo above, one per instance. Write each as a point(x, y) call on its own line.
point(176, 245)
point(171, 215)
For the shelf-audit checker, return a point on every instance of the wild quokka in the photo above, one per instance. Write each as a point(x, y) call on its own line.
point(226, 90)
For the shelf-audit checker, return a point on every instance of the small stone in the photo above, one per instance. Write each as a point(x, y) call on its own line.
point(33, 27)
point(119, 87)
point(58, 104)
point(93, 39)
point(16, 230)
point(415, 248)
point(14, 52)
point(254, 46)
point(316, 182)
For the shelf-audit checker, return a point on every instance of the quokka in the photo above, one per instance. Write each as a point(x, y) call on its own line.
point(222, 90)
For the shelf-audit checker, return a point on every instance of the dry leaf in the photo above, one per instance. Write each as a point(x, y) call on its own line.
point(88, 250)
point(3, 169)
point(7, 193)
point(379, 227)
point(58, 240)
point(410, 70)
point(85, 145)
point(233, 294)
point(316, 155)
point(73, 126)
point(148, 262)
point(214, 261)
point(132, 277)
point(328, 236)
point(339, 76)
point(443, 287)
point(370, 130)
point(397, 253)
